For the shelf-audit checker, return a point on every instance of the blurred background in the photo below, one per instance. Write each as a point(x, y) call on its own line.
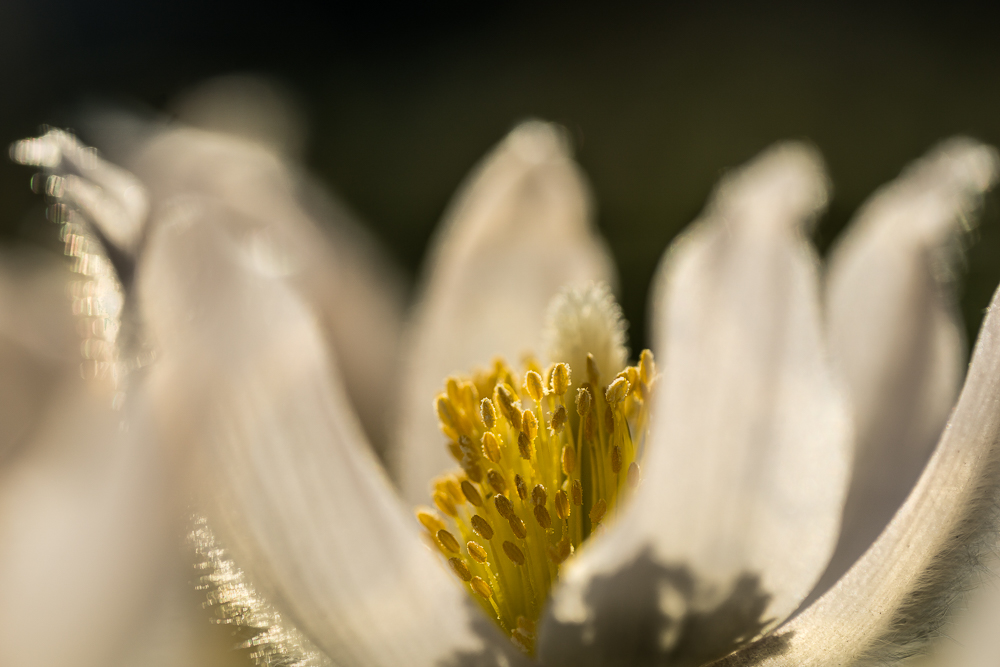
point(401, 99)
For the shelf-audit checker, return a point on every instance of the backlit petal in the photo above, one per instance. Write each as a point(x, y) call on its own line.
point(517, 232)
point(291, 486)
point(895, 331)
point(898, 595)
point(293, 228)
point(746, 470)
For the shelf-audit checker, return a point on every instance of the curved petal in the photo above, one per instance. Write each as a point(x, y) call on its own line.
point(903, 588)
point(895, 332)
point(747, 464)
point(517, 232)
point(297, 230)
point(290, 484)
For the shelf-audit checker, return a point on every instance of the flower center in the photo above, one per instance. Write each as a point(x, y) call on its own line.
point(542, 467)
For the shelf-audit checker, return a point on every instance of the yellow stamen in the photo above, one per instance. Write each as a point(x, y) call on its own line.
point(512, 503)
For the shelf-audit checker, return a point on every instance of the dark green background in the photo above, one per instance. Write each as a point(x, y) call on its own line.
point(660, 99)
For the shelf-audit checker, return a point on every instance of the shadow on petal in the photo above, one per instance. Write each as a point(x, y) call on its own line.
point(651, 614)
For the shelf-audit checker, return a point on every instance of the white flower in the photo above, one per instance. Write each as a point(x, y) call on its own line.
point(257, 323)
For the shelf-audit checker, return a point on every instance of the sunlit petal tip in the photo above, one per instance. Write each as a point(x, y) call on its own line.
point(786, 184)
point(747, 462)
point(895, 331)
point(518, 230)
point(896, 598)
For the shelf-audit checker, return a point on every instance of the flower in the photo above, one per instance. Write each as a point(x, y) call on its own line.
point(774, 377)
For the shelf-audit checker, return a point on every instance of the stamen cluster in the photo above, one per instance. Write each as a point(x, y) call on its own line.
point(541, 469)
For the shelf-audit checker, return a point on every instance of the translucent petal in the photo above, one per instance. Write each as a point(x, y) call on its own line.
point(745, 474)
point(517, 231)
point(898, 595)
point(895, 331)
point(293, 228)
point(83, 525)
point(293, 490)
point(37, 343)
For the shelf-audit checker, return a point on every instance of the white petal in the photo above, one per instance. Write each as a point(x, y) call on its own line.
point(37, 342)
point(83, 525)
point(293, 228)
point(112, 198)
point(517, 231)
point(895, 331)
point(899, 593)
point(293, 489)
point(747, 464)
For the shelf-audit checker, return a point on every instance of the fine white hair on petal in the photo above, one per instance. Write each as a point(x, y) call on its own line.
point(582, 320)
point(747, 460)
point(895, 331)
point(517, 231)
point(897, 597)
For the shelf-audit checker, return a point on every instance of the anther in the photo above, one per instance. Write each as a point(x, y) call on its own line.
point(524, 446)
point(448, 541)
point(481, 587)
point(472, 495)
point(513, 552)
point(477, 551)
point(647, 368)
point(515, 419)
point(562, 505)
point(533, 385)
point(506, 400)
point(577, 493)
point(496, 480)
point(592, 374)
point(616, 391)
point(542, 517)
point(529, 425)
point(427, 519)
point(475, 472)
point(451, 386)
point(445, 504)
point(560, 379)
point(538, 495)
point(584, 401)
point(526, 626)
point(460, 568)
point(517, 526)
point(503, 505)
point(522, 488)
point(632, 374)
point(454, 490)
point(568, 459)
point(488, 412)
point(482, 527)
point(598, 510)
point(558, 420)
point(445, 412)
point(633, 474)
point(491, 447)
point(616, 460)
point(465, 444)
